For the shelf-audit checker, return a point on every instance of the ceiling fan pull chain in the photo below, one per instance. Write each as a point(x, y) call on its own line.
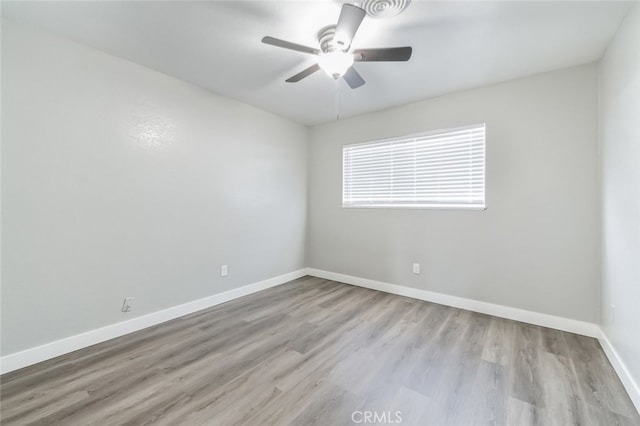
point(337, 82)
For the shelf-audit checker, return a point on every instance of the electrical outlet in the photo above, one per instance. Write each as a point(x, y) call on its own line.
point(416, 268)
point(224, 271)
point(126, 305)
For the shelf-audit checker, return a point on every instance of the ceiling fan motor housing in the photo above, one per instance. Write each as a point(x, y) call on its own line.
point(326, 40)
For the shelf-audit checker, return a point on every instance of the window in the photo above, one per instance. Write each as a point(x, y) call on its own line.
point(442, 169)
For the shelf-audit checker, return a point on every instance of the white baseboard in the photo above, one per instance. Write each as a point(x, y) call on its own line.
point(69, 344)
point(632, 387)
point(536, 318)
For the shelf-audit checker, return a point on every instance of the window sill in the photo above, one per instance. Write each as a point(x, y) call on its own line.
point(415, 207)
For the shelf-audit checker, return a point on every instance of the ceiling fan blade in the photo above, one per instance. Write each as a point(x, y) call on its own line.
point(353, 78)
point(385, 54)
point(288, 45)
point(304, 73)
point(348, 23)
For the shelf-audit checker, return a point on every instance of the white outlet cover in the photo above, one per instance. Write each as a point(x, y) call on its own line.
point(126, 304)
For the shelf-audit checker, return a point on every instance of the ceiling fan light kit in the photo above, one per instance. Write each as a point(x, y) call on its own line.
point(335, 63)
point(334, 56)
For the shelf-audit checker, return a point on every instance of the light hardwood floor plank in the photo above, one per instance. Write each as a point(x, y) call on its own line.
point(315, 351)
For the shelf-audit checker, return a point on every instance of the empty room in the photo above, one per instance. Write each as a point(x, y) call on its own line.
point(320, 212)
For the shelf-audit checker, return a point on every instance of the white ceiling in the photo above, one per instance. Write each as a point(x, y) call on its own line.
point(216, 45)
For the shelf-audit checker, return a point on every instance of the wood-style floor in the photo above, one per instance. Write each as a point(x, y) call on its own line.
point(320, 352)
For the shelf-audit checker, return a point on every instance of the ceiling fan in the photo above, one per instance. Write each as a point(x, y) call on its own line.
point(334, 56)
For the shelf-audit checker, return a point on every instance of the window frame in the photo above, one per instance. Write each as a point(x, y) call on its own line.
point(469, 207)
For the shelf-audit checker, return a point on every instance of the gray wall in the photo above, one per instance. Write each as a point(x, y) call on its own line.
point(620, 138)
point(536, 246)
point(120, 181)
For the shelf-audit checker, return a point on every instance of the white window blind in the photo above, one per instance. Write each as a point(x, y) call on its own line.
point(442, 169)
